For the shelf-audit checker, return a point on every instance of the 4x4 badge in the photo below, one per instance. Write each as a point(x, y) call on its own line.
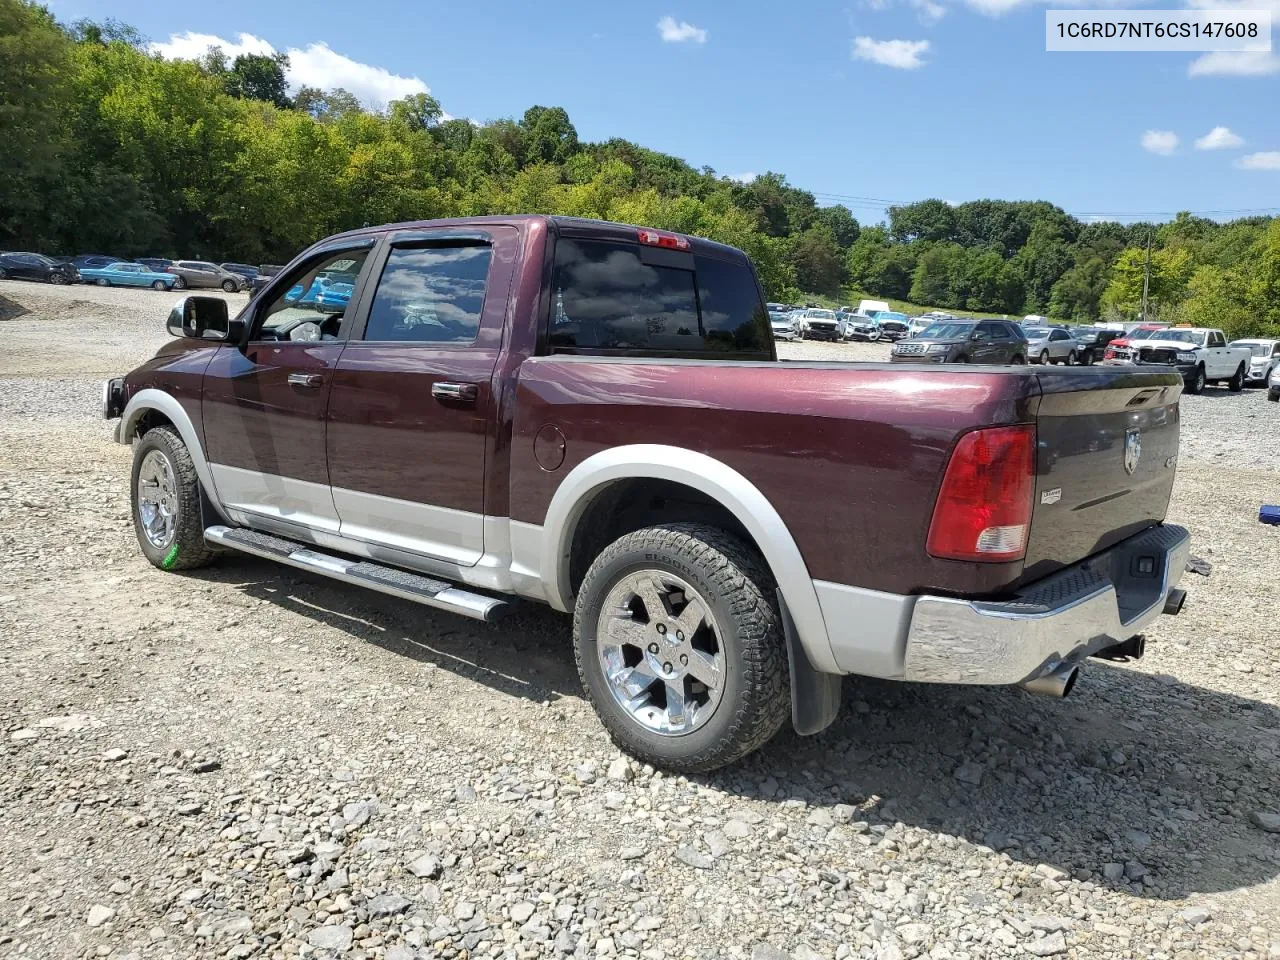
point(1132, 449)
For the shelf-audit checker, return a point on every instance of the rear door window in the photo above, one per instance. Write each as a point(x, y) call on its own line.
point(607, 296)
point(430, 295)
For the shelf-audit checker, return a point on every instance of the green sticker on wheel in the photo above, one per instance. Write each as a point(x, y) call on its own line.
point(170, 558)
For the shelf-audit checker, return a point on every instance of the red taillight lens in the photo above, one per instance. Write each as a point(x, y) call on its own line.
point(656, 238)
point(984, 507)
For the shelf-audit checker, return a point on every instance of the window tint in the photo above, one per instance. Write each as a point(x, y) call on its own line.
point(430, 295)
point(1217, 340)
point(988, 331)
point(606, 297)
point(319, 291)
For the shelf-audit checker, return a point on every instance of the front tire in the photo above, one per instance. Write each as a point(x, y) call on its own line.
point(1273, 394)
point(1236, 383)
point(1198, 383)
point(1071, 359)
point(1044, 358)
point(57, 279)
point(720, 688)
point(165, 496)
point(103, 282)
point(230, 286)
point(159, 285)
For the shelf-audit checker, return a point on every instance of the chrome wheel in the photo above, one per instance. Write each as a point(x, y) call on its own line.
point(660, 650)
point(157, 499)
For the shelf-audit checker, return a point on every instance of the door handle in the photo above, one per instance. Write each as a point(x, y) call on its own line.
point(443, 390)
point(305, 379)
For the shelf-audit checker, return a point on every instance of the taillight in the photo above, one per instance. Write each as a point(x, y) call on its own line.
point(984, 507)
point(656, 238)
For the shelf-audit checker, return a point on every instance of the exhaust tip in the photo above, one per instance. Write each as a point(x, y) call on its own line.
point(1174, 601)
point(1058, 682)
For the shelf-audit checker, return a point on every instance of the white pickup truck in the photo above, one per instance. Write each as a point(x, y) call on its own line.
point(1200, 354)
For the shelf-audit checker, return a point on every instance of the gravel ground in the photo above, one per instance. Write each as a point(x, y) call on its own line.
point(247, 762)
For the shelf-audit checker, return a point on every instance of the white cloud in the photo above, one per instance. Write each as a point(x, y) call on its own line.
point(928, 11)
point(1245, 63)
point(1163, 142)
point(673, 32)
point(1260, 161)
point(1220, 138)
point(316, 66)
point(743, 177)
point(901, 54)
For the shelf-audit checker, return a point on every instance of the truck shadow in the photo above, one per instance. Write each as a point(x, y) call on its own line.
point(1134, 768)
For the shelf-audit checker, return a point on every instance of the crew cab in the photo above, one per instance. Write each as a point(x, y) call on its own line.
point(592, 416)
point(820, 324)
point(1199, 354)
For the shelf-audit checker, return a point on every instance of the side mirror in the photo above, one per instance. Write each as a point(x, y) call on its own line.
point(202, 318)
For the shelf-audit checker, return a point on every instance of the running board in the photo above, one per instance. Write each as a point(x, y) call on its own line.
point(374, 576)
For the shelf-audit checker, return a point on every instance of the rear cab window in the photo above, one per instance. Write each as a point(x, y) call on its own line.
point(610, 296)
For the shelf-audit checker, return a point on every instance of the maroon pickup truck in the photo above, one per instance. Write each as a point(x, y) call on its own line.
point(592, 416)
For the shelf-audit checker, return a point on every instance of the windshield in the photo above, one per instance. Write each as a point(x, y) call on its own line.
point(947, 331)
point(821, 314)
point(1087, 334)
point(1182, 336)
point(887, 315)
point(1142, 334)
point(779, 318)
point(1257, 349)
point(1036, 333)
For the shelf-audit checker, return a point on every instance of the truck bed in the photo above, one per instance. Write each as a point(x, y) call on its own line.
point(852, 455)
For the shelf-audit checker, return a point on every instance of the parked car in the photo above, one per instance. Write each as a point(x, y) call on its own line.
point(1117, 346)
point(893, 326)
point(246, 270)
point(964, 341)
point(159, 264)
point(318, 294)
point(196, 274)
point(265, 272)
point(1093, 343)
point(454, 441)
point(1264, 358)
point(90, 260)
point(128, 275)
point(820, 324)
point(858, 327)
point(783, 328)
point(1273, 385)
point(1051, 345)
point(1200, 354)
point(36, 266)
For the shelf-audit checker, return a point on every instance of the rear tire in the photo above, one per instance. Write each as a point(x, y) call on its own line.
point(177, 541)
point(180, 283)
point(1236, 383)
point(738, 626)
point(1018, 361)
point(1273, 394)
point(103, 282)
point(1197, 385)
point(4, 274)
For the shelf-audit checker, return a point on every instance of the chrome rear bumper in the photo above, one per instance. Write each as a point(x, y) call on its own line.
point(1063, 618)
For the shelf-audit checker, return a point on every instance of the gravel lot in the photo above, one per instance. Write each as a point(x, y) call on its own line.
point(248, 762)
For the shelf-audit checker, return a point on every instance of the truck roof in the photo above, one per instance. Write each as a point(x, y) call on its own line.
point(565, 226)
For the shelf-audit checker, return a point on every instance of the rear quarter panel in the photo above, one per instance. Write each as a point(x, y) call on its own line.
point(850, 456)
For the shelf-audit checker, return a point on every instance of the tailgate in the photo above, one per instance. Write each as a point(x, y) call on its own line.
point(1107, 442)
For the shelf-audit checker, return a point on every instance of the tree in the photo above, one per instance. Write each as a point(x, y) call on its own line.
point(938, 273)
point(1077, 294)
point(34, 62)
point(548, 135)
point(259, 77)
point(926, 220)
point(416, 112)
point(815, 257)
point(841, 222)
point(1041, 261)
point(1215, 299)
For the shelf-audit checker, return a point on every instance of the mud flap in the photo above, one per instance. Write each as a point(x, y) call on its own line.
point(815, 696)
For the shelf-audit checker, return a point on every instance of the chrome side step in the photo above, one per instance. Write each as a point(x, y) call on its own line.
point(374, 576)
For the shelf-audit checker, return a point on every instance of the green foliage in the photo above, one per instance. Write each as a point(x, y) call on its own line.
point(110, 148)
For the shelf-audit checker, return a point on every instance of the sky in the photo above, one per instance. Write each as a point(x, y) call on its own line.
point(863, 102)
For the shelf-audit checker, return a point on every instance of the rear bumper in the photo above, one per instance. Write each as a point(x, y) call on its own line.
point(1063, 618)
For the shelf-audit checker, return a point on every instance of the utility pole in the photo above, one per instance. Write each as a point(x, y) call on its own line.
point(1146, 278)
